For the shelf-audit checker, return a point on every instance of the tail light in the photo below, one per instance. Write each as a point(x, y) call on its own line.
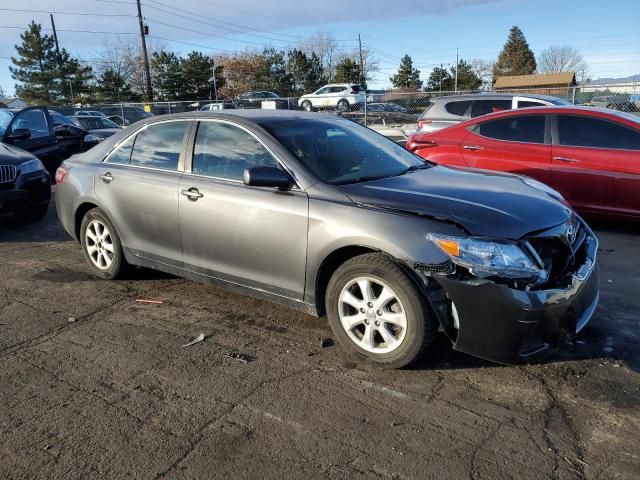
point(422, 123)
point(61, 173)
point(417, 142)
point(354, 92)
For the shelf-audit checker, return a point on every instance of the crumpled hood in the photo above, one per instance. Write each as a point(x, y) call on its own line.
point(485, 203)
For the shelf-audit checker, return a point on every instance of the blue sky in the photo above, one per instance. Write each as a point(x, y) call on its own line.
point(607, 34)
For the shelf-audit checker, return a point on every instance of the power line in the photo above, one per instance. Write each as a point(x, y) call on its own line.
point(50, 12)
point(72, 30)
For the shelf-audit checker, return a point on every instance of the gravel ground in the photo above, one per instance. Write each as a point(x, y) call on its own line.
point(95, 385)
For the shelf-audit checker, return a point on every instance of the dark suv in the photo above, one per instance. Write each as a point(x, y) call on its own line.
point(329, 217)
point(453, 109)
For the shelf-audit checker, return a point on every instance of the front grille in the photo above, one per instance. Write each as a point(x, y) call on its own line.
point(8, 173)
point(560, 256)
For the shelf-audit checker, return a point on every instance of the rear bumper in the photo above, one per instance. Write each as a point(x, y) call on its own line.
point(507, 325)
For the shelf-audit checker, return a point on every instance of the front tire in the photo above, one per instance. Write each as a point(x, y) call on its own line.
point(306, 105)
point(377, 312)
point(101, 246)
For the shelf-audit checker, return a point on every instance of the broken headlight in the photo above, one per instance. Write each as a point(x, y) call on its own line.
point(487, 258)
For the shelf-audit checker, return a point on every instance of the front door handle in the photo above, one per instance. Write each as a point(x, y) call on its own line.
point(473, 148)
point(106, 178)
point(566, 159)
point(193, 194)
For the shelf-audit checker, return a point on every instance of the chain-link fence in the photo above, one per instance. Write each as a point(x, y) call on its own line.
point(391, 112)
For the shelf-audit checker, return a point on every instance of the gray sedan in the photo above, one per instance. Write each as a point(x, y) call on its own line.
point(329, 217)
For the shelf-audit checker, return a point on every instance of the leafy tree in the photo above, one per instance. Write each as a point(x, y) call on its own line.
point(195, 72)
point(43, 77)
point(407, 77)
point(167, 75)
point(347, 71)
point(516, 58)
point(440, 80)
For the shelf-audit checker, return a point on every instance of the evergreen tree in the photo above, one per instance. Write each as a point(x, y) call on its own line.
point(467, 78)
point(407, 77)
point(440, 80)
point(195, 71)
point(167, 75)
point(112, 87)
point(306, 71)
point(516, 58)
point(42, 76)
point(347, 71)
point(276, 77)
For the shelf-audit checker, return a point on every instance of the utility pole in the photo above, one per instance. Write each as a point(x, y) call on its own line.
point(147, 72)
point(213, 76)
point(55, 39)
point(362, 78)
point(361, 61)
point(456, 80)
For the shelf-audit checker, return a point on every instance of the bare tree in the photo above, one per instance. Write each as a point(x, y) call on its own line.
point(325, 46)
point(562, 58)
point(483, 70)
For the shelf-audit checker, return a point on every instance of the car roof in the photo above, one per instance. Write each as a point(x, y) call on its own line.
point(557, 109)
point(495, 96)
point(252, 115)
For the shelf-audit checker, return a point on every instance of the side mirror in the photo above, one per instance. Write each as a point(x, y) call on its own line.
point(65, 131)
point(266, 177)
point(19, 134)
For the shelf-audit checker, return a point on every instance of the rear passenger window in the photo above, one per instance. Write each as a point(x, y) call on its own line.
point(457, 108)
point(596, 133)
point(159, 145)
point(529, 129)
point(527, 104)
point(224, 151)
point(122, 154)
point(483, 107)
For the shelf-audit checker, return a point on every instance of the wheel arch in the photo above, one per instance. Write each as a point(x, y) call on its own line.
point(82, 210)
point(328, 267)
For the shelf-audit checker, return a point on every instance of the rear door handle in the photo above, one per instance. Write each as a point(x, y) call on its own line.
point(193, 194)
point(566, 159)
point(106, 178)
point(473, 148)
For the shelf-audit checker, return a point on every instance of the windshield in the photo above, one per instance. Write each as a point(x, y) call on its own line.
point(93, 123)
point(339, 151)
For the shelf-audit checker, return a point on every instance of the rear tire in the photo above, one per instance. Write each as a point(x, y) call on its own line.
point(101, 246)
point(391, 324)
point(343, 105)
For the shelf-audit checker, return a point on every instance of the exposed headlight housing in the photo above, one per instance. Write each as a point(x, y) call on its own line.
point(31, 166)
point(488, 258)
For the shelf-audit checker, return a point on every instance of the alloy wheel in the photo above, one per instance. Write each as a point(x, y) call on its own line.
point(372, 315)
point(99, 244)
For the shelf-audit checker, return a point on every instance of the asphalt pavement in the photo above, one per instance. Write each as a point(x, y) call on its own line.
point(94, 384)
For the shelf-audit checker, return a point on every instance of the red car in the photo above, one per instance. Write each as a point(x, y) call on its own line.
point(591, 156)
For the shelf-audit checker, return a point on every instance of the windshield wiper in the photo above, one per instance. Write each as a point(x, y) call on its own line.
point(414, 168)
point(360, 180)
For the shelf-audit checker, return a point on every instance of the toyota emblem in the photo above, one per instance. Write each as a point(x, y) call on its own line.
point(571, 234)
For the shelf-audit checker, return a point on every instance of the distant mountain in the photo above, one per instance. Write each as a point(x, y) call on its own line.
point(603, 81)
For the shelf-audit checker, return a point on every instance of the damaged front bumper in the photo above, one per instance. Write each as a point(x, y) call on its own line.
point(509, 325)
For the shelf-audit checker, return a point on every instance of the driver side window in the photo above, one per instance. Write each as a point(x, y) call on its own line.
point(33, 120)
